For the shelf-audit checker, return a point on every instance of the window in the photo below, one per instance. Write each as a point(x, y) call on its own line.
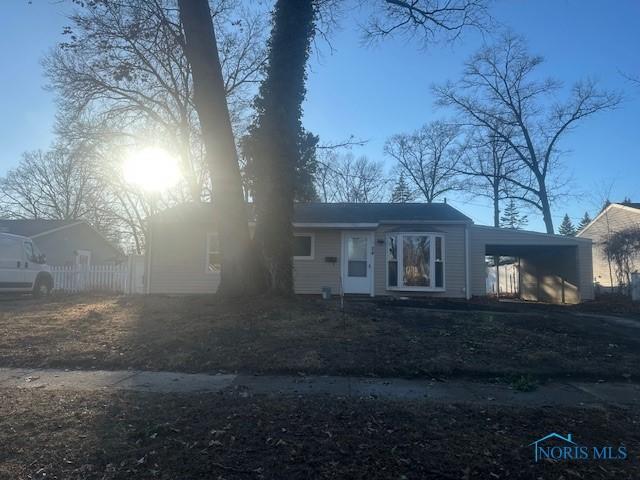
point(357, 257)
point(10, 250)
point(303, 246)
point(213, 253)
point(28, 250)
point(415, 261)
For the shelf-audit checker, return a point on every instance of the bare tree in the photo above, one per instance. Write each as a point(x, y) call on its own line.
point(489, 163)
point(82, 183)
point(499, 92)
point(124, 66)
point(623, 247)
point(429, 157)
point(345, 178)
point(56, 184)
point(427, 19)
point(633, 79)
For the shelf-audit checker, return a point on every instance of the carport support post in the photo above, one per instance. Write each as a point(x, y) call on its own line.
point(519, 287)
point(496, 260)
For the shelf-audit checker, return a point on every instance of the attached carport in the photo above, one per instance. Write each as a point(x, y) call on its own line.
point(552, 268)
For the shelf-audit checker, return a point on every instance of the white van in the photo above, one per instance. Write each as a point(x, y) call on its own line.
point(22, 267)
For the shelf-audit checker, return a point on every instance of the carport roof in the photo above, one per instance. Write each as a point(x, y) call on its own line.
point(492, 249)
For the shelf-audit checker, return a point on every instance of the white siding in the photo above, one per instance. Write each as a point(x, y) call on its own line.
point(309, 276)
point(179, 259)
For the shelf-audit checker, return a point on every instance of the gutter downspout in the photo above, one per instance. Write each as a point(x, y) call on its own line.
point(466, 262)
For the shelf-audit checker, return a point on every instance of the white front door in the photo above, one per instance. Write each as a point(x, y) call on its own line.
point(357, 262)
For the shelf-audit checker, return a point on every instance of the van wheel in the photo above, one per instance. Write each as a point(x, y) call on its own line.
point(42, 288)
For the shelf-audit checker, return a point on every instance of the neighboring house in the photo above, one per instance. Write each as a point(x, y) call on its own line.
point(377, 249)
point(66, 242)
point(616, 217)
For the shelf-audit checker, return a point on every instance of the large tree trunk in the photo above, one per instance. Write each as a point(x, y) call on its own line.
point(222, 158)
point(545, 207)
point(278, 134)
point(496, 203)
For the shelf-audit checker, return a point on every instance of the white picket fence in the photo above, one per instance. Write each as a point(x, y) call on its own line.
point(123, 278)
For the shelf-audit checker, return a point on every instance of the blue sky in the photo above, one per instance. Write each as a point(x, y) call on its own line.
point(373, 92)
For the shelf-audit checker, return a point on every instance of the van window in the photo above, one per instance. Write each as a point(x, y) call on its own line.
point(28, 250)
point(10, 249)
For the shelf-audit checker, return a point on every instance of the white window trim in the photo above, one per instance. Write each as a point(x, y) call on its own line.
point(432, 247)
point(207, 252)
point(313, 246)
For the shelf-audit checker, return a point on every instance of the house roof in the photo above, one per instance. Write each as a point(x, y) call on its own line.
point(376, 213)
point(342, 213)
point(630, 204)
point(38, 228)
point(30, 228)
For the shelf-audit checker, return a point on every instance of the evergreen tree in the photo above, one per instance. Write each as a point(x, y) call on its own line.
point(401, 192)
point(511, 217)
point(567, 229)
point(586, 220)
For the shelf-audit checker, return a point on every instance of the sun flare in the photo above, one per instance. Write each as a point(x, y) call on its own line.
point(152, 169)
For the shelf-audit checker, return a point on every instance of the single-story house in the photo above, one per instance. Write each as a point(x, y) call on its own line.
point(377, 249)
point(612, 219)
point(66, 242)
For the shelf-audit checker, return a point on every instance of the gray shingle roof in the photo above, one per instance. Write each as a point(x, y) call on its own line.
point(340, 213)
point(376, 212)
point(28, 228)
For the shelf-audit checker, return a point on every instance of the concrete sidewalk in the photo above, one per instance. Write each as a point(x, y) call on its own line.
point(569, 393)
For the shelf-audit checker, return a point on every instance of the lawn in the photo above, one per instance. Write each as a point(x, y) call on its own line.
point(309, 336)
point(85, 436)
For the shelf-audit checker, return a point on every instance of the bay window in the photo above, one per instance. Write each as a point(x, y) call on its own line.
point(415, 261)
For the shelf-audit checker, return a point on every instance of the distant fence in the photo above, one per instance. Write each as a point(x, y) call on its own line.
point(123, 278)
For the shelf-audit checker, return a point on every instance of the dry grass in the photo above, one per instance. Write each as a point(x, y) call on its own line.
point(262, 335)
point(98, 436)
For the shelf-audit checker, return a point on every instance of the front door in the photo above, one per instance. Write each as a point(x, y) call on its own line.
point(357, 262)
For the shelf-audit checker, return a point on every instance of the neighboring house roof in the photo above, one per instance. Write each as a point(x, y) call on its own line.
point(38, 228)
point(633, 208)
point(630, 205)
point(322, 214)
point(31, 228)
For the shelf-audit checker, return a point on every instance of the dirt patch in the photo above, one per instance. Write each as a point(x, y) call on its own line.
point(55, 435)
point(301, 335)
